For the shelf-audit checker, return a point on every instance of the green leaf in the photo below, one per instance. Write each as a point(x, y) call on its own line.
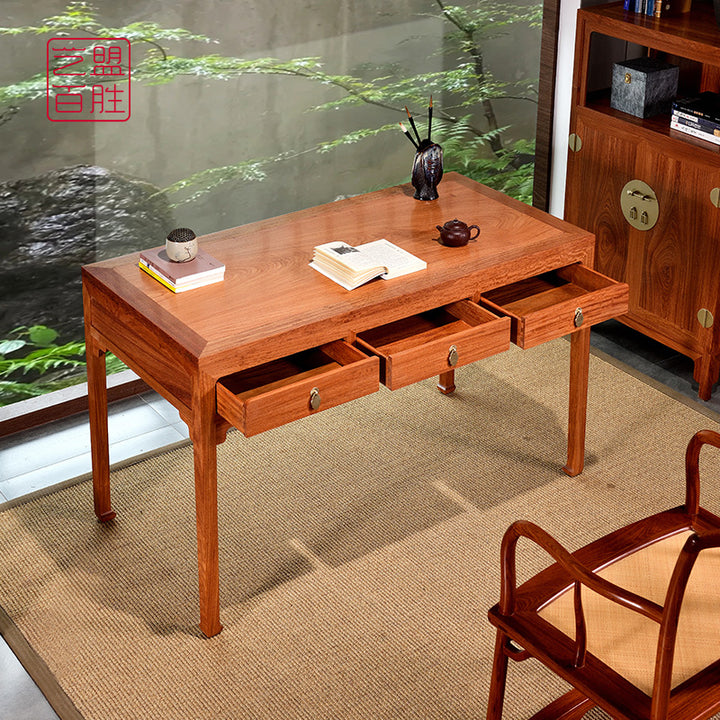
point(8, 346)
point(41, 335)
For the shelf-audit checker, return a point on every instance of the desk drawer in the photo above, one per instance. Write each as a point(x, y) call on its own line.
point(434, 342)
point(555, 304)
point(294, 387)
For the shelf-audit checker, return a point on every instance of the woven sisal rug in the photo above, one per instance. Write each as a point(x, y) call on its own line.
point(358, 551)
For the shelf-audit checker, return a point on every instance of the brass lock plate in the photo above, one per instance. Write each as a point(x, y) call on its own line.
point(453, 356)
point(639, 204)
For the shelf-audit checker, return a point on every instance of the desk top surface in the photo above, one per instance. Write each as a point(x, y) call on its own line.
point(272, 303)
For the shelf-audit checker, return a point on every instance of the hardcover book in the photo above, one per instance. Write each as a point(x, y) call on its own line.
point(202, 270)
point(705, 105)
point(354, 266)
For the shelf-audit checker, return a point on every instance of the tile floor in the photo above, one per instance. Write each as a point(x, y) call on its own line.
point(57, 454)
point(60, 453)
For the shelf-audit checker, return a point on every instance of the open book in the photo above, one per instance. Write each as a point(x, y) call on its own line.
point(353, 266)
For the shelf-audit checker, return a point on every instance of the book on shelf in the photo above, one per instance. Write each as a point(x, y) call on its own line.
point(651, 8)
point(706, 105)
point(354, 266)
point(709, 126)
point(202, 270)
point(657, 8)
point(692, 128)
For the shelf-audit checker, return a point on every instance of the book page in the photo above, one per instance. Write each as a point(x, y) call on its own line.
point(397, 261)
point(353, 266)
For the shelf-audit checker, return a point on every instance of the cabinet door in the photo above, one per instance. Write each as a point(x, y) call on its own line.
point(596, 173)
point(673, 268)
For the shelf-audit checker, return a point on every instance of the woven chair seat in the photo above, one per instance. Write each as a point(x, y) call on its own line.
point(627, 641)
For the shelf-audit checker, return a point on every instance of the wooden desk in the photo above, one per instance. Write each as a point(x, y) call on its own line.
point(204, 348)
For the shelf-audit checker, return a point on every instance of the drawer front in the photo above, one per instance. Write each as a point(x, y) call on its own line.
point(423, 346)
point(296, 387)
point(557, 303)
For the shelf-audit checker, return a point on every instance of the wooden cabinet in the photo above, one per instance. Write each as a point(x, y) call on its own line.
point(673, 265)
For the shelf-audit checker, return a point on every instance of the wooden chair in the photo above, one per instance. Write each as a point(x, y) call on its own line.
point(631, 621)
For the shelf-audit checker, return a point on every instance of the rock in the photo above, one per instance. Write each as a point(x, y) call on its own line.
point(52, 224)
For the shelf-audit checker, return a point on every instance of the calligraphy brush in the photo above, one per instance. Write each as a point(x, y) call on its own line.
point(412, 122)
point(409, 136)
point(429, 117)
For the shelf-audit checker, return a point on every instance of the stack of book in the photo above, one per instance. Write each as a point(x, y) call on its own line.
point(698, 116)
point(202, 270)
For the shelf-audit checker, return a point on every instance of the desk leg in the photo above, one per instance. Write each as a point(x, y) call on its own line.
point(446, 382)
point(579, 369)
point(98, 413)
point(205, 451)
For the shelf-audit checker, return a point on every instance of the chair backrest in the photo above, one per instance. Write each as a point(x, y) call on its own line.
point(663, 571)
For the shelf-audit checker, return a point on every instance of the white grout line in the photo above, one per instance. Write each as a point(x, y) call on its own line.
point(310, 556)
point(454, 496)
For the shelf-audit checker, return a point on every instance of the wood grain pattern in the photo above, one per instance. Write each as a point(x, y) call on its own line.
point(237, 351)
point(594, 682)
point(673, 268)
point(544, 308)
point(279, 401)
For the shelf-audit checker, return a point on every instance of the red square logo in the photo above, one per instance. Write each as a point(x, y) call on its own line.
point(88, 79)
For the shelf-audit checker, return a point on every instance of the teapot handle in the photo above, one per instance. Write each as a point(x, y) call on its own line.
point(472, 237)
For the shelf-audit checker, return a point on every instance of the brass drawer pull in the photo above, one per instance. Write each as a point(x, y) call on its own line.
point(453, 356)
point(315, 399)
point(579, 318)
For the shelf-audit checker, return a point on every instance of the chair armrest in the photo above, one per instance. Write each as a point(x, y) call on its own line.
point(692, 472)
point(577, 571)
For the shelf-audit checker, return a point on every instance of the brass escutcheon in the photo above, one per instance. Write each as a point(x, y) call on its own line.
point(314, 398)
point(453, 356)
point(579, 318)
point(639, 205)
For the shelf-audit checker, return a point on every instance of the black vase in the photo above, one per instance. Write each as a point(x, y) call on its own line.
point(427, 170)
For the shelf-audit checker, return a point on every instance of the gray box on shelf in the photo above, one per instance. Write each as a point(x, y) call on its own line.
point(643, 87)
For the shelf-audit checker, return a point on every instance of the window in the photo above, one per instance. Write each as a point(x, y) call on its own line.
point(222, 114)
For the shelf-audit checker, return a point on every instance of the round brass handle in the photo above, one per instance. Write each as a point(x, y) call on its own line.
point(315, 399)
point(453, 356)
point(579, 318)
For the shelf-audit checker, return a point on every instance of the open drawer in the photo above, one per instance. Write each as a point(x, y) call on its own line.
point(557, 303)
point(294, 387)
point(434, 342)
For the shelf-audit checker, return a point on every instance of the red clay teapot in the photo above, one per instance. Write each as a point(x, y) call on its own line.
point(455, 233)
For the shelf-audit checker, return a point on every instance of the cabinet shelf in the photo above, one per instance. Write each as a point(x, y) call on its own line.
point(658, 125)
point(671, 264)
point(694, 35)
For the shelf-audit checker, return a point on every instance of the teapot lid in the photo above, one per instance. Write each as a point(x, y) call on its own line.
point(450, 223)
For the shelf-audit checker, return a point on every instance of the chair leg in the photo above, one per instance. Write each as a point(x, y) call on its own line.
point(571, 706)
point(498, 678)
